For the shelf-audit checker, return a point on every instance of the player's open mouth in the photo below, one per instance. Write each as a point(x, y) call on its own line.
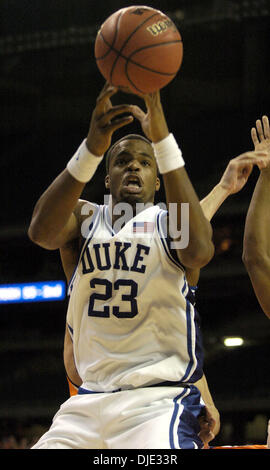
point(132, 184)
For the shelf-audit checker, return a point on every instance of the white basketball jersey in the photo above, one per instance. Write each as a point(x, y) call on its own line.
point(131, 322)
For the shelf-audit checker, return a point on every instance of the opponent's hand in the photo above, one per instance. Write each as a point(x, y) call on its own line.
point(103, 124)
point(261, 135)
point(152, 121)
point(239, 169)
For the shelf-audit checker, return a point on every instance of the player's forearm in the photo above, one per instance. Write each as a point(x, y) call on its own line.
point(259, 274)
point(202, 385)
point(54, 208)
point(212, 202)
point(179, 189)
point(256, 243)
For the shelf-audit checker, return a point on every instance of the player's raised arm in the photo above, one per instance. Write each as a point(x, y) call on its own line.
point(233, 180)
point(178, 187)
point(256, 245)
point(55, 220)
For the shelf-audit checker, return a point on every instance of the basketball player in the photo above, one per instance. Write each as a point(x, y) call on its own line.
point(256, 246)
point(232, 181)
point(135, 331)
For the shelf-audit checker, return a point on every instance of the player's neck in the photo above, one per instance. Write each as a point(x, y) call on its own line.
point(127, 210)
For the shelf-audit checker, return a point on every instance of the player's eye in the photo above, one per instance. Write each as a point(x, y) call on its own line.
point(121, 161)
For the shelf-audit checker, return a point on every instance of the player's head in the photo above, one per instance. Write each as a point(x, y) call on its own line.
point(132, 174)
point(113, 148)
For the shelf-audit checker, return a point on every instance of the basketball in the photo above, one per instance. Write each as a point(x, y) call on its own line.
point(138, 49)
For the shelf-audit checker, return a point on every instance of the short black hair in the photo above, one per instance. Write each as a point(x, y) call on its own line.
point(126, 137)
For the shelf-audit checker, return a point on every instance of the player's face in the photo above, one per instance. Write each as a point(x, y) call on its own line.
point(132, 174)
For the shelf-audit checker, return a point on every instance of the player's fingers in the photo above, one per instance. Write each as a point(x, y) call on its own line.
point(248, 158)
point(261, 160)
point(117, 123)
point(246, 170)
point(260, 129)
point(106, 89)
point(138, 113)
point(206, 436)
point(152, 99)
point(245, 162)
point(254, 136)
point(263, 163)
point(257, 154)
point(106, 93)
point(113, 112)
point(266, 128)
point(252, 155)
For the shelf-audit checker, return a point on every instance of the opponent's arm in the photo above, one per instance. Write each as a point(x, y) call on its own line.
point(178, 188)
point(69, 361)
point(233, 180)
point(256, 244)
point(69, 256)
point(54, 220)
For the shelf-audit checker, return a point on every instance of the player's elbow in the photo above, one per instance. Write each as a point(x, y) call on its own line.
point(204, 254)
point(253, 256)
point(33, 233)
point(254, 251)
point(247, 260)
point(202, 248)
point(197, 255)
point(39, 237)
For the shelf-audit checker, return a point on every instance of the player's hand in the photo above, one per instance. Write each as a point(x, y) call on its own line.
point(152, 121)
point(261, 135)
point(240, 168)
point(103, 123)
point(207, 425)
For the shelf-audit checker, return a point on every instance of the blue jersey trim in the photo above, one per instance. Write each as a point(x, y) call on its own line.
point(188, 427)
point(196, 354)
point(85, 391)
point(107, 220)
point(189, 342)
point(174, 416)
point(164, 241)
point(70, 329)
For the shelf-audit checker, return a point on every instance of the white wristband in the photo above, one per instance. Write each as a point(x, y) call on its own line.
point(83, 164)
point(168, 154)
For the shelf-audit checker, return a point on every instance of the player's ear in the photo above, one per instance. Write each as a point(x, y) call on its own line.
point(107, 182)
point(157, 184)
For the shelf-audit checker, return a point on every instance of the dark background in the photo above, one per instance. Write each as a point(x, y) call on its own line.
point(48, 86)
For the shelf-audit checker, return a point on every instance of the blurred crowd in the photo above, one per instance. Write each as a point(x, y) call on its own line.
point(22, 436)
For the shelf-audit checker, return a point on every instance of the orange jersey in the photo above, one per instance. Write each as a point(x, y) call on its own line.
point(73, 389)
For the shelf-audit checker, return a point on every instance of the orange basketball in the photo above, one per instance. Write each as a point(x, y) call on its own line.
point(138, 49)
